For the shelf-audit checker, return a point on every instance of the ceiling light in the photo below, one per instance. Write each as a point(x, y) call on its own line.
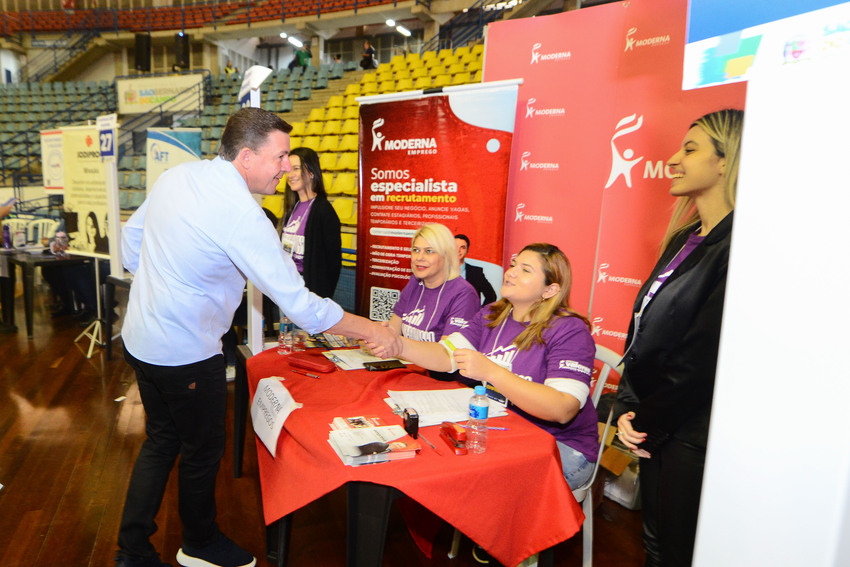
point(294, 41)
point(283, 35)
point(391, 23)
point(403, 30)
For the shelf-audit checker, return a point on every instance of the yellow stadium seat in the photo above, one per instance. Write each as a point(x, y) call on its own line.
point(294, 141)
point(370, 77)
point(476, 78)
point(478, 48)
point(429, 55)
point(402, 74)
point(349, 241)
point(297, 129)
point(328, 179)
point(369, 89)
point(316, 114)
point(312, 142)
point(419, 72)
point(274, 203)
point(346, 210)
point(350, 112)
point(332, 127)
point(327, 161)
point(334, 113)
point(443, 53)
point(442, 81)
point(450, 60)
point(397, 61)
point(351, 100)
point(385, 76)
point(461, 78)
point(474, 66)
point(314, 128)
point(412, 58)
point(335, 100)
point(328, 144)
point(468, 58)
point(384, 68)
point(349, 143)
point(456, 68)
point(345, 184)
point(404, 85)
point(347, 162)
point(433, 62)
point(463, 50)
point(386, 87)
point(437, 71)
point(352, 89)
point(350, 126)
point(422, 83)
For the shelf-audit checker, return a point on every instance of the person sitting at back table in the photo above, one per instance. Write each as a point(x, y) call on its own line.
point(534, 349)
point(368, 60)
point(436, 301)
point(473, 274)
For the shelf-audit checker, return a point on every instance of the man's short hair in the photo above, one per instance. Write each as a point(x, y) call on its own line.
point(464, 238)
point(249, 128)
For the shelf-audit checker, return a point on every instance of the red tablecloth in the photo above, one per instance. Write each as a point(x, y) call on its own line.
point(512, 500)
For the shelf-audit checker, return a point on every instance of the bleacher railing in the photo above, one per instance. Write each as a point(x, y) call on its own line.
point(73, 43)
point(467, 26)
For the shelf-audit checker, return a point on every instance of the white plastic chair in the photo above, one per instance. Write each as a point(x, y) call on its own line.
point(583, 494)
point(16, 225)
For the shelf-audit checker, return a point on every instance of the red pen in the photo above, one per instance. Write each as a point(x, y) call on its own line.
point(304, 373)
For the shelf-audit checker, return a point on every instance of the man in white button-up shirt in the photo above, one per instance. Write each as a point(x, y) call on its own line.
point(191, 246)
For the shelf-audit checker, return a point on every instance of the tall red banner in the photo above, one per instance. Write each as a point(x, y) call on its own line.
point(439, 158)
point(600, 111)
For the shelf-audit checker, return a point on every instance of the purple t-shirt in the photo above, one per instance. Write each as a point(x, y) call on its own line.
point(293, 233)
point(429, 314)
point(568, 352)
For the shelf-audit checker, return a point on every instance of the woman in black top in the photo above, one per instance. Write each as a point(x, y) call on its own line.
point(671, 357)
point(311, 230)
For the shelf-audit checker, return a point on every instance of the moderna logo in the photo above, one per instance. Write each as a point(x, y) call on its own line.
point(521, 216)
point(604, 277)
point(531, 112)
point(623, 162)
point(632, 42)
point(527, 165)
point(537, 57)
point(599, 331)
point(412, 145)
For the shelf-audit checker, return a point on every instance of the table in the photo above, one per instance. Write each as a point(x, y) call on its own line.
point(523, 504)
point(28, 263)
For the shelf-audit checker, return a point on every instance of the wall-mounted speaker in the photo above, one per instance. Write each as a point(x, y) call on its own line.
point(181, 50)
point(143, 52)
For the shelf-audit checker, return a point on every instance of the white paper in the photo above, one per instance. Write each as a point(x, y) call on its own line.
point(271, 406)
point(352, 358)
point(437, 406)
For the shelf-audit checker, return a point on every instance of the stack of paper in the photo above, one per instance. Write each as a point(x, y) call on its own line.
point(365, 445)
point(437, 406)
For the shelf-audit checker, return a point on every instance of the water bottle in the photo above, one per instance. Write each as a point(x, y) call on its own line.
point(476, 426)
point(7, 237)
point(284, 338)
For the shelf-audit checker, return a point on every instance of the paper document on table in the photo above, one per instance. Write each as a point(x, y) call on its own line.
point(351, 358)
point(437, 406)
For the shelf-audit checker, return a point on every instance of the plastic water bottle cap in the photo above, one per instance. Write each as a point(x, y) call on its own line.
point(480, 390)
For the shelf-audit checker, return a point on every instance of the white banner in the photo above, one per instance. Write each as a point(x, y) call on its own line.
point(137, 96)
point(271, 406)
point(167, 147)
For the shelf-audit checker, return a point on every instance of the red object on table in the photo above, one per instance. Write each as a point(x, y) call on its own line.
point(512, 500)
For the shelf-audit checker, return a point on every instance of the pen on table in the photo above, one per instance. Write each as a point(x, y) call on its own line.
point(497, 428)
point(304, 373)
point(430, 444)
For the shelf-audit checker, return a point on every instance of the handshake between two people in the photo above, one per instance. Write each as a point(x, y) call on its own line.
point(385, 341)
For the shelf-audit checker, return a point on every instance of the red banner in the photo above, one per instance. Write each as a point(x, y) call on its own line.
point(440, 158)
point(600, 111)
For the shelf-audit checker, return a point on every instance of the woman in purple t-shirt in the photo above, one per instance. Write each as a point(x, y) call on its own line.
point(436, 301)
point(535, 350)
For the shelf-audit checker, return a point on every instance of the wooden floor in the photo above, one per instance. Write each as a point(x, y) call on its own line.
point(68, 441)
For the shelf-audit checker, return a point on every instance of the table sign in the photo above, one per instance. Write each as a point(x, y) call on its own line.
point(271, 406)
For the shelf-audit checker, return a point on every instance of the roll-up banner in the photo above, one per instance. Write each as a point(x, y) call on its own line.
point(430, 157)
point(600, 111)
point(167, 147)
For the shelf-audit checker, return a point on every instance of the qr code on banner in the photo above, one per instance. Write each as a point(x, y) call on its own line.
point(382, 302)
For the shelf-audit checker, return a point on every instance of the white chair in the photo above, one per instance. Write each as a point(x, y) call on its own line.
point(16, 225)
point(583, 494)
point(41, 228)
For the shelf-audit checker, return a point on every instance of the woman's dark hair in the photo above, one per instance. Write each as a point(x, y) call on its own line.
point(309, 163)
point(249, 128)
